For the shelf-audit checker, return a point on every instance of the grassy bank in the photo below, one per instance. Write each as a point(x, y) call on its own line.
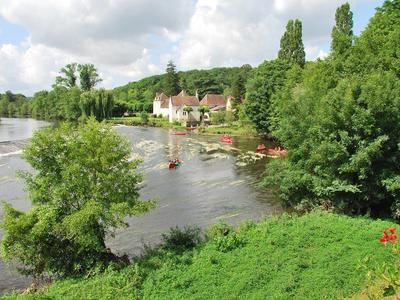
point(233, 129)
point(310, 257)
point(152, 122)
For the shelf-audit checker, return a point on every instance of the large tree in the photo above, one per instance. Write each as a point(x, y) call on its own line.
point(342, 33)
point(83, 187)
point(292, 47)
point(88, 76)
point(171, 82)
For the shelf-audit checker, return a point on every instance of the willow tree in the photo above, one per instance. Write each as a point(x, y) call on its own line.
point(292, 47)
point(98, 103)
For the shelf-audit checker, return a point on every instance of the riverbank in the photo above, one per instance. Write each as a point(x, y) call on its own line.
point(315, 256)
point(233, 129)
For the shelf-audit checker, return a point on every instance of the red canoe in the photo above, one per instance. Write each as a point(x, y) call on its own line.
point(179, 133)
point(261, 148)
point(190, 128)
point(227, 139)
point(277, 151)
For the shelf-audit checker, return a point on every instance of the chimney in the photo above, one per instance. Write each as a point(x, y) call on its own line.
point(197, 94)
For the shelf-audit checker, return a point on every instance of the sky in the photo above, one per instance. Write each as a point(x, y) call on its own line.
point(130, 39)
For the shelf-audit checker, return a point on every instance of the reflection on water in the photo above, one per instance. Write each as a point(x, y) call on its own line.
point(215, 182)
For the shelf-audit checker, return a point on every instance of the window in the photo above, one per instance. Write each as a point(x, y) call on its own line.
point(184, 113)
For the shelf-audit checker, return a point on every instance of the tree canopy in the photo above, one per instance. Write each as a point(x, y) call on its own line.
point(340, 125)
point(171, 80)
point(342, 32)
point(292, 47)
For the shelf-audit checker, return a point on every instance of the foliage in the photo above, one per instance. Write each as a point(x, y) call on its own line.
point(171, 80)
point(265, 81)
point(386, 274)
point(342, 33)
point(218, 118)
point(88, 76)
point(181, 239)
point(84, 185)
point(98, 103)
point(14, 105)
point(340, 128)
point(188, 109)
point(292, 47)
point(144, 117)
point(68, 77)
point(310, 257)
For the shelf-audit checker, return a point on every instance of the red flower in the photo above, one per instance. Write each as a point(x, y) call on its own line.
point(389, 235)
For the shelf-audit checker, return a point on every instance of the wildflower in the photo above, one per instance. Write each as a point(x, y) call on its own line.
point(389, 235)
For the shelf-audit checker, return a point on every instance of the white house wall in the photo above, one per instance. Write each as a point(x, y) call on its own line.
point(176, 113)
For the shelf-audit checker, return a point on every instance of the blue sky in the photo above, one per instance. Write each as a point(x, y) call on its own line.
point(136, 38)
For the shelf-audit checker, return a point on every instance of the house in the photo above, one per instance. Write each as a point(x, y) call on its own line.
point(173, 106)
point(161, 105)
point(176, 108)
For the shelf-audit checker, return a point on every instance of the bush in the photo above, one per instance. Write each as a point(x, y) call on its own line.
point(224, 237)
point(181, 239)
point(160, 116)
point(218, 118)
point(84, 185)
point(176, 123)
point(144, 117)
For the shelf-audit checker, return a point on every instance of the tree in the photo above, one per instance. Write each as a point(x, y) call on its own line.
point(207, 84)
point(171, 82)
point(266, 80)
point(203, 109)
point(188, 110)
point(292, 47)
point(83, 187)
point(238, 87)
point(98, 103)
point(68, 76)
point(88, 76)
point(342, 128)
point(342, 32)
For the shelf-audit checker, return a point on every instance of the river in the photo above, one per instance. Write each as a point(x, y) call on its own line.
point(215, 182)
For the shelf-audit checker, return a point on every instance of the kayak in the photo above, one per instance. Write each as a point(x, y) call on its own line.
point(172, 165)
point(261, 148)
point(227, 139)
point(277, 152)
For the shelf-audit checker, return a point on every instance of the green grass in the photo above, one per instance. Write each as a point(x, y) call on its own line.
point(315, 256)
point(152, 122)
point(233, 130)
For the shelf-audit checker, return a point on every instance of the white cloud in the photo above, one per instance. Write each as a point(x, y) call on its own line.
point(130, 39)
point(114, 35)
point(234, 32)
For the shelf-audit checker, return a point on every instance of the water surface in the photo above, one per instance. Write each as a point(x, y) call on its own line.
point(215, 182)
